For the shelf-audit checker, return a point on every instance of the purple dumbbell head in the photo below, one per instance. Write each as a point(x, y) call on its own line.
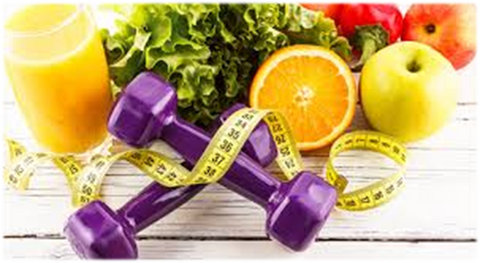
point(96, 231)
point(141, 117)
point(296, 209)
point(299, 215)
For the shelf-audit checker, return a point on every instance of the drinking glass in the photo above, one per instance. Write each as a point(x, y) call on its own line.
point(57, 68)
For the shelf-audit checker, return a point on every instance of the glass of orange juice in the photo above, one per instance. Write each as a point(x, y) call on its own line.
point(57, 67)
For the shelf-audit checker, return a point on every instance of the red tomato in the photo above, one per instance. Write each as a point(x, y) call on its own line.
point(329, 10)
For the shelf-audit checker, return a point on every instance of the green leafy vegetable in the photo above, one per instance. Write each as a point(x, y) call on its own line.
point(209, 52)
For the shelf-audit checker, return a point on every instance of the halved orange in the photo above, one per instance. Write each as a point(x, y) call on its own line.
point(312, 87)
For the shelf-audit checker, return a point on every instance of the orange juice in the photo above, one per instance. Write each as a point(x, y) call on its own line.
point(57, 67)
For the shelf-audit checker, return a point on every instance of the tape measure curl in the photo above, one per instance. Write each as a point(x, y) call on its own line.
point(374, 194)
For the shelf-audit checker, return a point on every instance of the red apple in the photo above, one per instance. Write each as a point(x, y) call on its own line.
point(329, 10)
point(449, 28)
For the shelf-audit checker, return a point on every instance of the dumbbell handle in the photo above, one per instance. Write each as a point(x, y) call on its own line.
point(245, 177)
point(154, 202)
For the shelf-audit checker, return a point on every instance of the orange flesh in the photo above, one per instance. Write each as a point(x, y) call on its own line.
point(311, 93)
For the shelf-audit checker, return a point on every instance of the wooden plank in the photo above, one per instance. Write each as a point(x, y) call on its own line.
point(173, 249)
point(436, 203)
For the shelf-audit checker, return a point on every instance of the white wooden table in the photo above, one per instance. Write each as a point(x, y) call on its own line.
point(433, 217)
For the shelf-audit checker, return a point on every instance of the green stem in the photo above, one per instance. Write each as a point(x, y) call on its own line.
point(368, 39)
point(369, 48)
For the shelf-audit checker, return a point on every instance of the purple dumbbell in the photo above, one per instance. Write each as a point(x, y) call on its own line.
point(296, 210)
point(96, 231)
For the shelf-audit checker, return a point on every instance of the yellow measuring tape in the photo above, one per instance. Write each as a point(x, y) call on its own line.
point(85, 181)
point(376, 193)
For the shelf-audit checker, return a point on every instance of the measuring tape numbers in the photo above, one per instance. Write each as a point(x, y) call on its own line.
point(228, 141)
point(85, 181)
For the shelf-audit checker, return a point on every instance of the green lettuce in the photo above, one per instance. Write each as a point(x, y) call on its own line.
point(209, 52)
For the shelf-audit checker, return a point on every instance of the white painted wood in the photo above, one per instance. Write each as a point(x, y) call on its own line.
point(165, 249)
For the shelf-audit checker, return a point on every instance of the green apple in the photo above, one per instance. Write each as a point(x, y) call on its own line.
point(408, 90)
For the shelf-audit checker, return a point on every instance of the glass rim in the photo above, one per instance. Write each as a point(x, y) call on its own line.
point(44, 32)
